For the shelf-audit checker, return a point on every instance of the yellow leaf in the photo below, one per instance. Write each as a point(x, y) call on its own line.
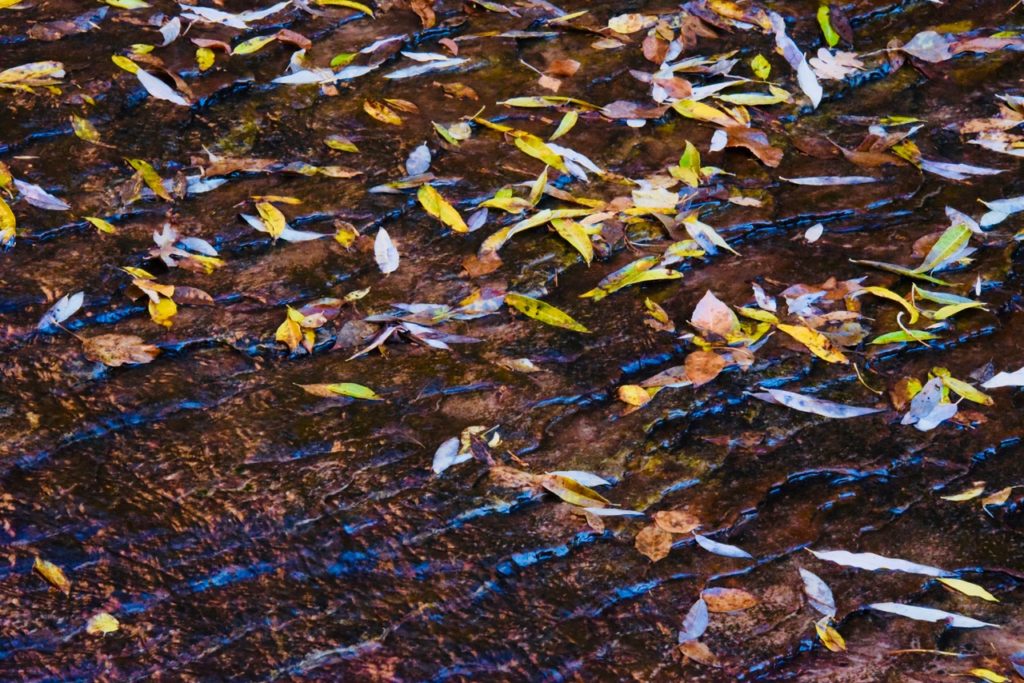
point(84, 129)
point(163, 311)
point(53, 574)
point(815, 341)
point(125, 63)
point(572, 492)
point(830, 637)
point(573, 233)
point(102, 623)
point(892, 296)
point(997, 498)
point(438, 207)
point(340, 143)
point(761, 68)
point(152, 179)
point(139, 273)
point(101, 225)
point(289, 333)
point(634, 394)
point(349, 389)
point(7, 220)
point(968, 588)
point(127, 4)
point(545, 313)
point(347, 3)
point(704, 112)
point(969, 494)
point(346, 235)
point(272, 218)
point(382, 112)
point(205, 58)
point(538, 149)
point(565, 125)
point(247, 47)
point(988, 675)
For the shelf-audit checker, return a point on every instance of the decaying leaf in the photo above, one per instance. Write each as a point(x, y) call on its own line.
point(727, 599)
point(116, 350)
point(676, 521)
point(654, 542)
point(53, 575)
point(544, 312)
point(101, 624)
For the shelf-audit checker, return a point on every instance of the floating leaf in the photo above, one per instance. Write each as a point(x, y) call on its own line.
point(829, 637)
point(676, 521)
point(382, 112)
point(53, 575)
point(544, 312)
point(102, 623)
point(65, 307)
point(438, 207)
point(929, 614)
point(654, 542)
point(116, 350)
point(721, 548)
point(102, 225)
point(810, 404)
point(727, 599)
point(815, 341)
point(873, 562)
point(348, 389)
point(572, 492)
point(969, 494)
point(968, 588)
point(818, 593)
point(152, 179)
point(1006, 379)
point(385, 252)
point(695, 623)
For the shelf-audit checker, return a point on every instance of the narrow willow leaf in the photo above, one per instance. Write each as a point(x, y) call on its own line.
point(351, 4)
point(968, 588)
point(573, 233)
point(53, 575)
point(892, 296)
point(348, 389)
point(545, 313)
point(565, 125)
point(438, 207)
point(948, 245)
point(818, 592)
point(158, 89)
point(901, 270)
point(825, 22)
point(817, 406)
point(816, 342)
point(101, 225)
point(903, 336)
point(152, 179)
point(255, 44)
point(538, 149)
point(721, 548)
point(873, 562)
point(573, 492)
point(929, 614)
point(969, 494)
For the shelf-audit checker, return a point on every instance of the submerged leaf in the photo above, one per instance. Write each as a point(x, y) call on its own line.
point(544, 312)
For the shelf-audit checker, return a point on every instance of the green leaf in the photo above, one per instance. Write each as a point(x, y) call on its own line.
point(831, 37)
point(152, 179)
point(952, 240)
point(565, 125)
point(903, 336)
point(247, 47)
point(901, 270)
point(545, 313)
point(349, 389)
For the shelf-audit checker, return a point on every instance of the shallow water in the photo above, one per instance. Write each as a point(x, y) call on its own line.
point(241, 529)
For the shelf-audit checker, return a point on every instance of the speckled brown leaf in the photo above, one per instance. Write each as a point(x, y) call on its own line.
point(676, 521)
point(728, 599)
point(654, 542)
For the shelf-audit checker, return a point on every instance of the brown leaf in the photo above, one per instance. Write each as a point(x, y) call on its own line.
point(703, 366)
point(424, 9)
point(564, 68)
point(624, 109)
point(840, 23)
point(481, 265)
point(699, 652)
point(727, 599)
point(677, 88)
point(293, 38)
point(676, 521)
point(655, 49)
point(452, 46)
point(654, 542)
point(757, 142)
point(192, 296)
point(116, 350)
point(458, 90)
point(549, 83)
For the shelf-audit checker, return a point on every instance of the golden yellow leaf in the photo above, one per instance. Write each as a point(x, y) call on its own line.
point(545, 313)
point(969, 494)
point(163, 312)
point(255, 44)
point(989, 675)
point(573, 233)
point(204, 58)
point(438, 207)
point(102, 623)
point(573, 492)
point(815, 341)
point(152, 179)
point(829, 637)
point(273, 219)
point(968, 588)
point(538, 149)
point(101, 225)
point(633, 394)
point(351, 4)
point(382, 112)
point(53, 574)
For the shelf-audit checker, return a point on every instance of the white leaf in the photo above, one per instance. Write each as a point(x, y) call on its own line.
point(696, 622)
point(929, 46)
point(1001, 209)
point(721, 548)
point(429, 67)
point(291, 235)
point(873, 562)
point(614, 512)
point(39, 198)
point(764, 302)
point(158, 89)
point(926, 409)
point(718, 141)
point(929, 614)
point(66, 307)
point(956, 171)
point(820, 181)
point(1006, 379)
point(419, 161)
point(585, 478)
point(385, 252)
point(199, 245)
point(425, 56)
point(818, 592)
point(817, 406)
point(171, 30)
point(447, 455)
point(814, 233)
point(804, 75)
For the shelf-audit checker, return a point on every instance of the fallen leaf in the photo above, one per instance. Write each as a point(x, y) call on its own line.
point(654, 542)
point(727, 599)
point(116, 350)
